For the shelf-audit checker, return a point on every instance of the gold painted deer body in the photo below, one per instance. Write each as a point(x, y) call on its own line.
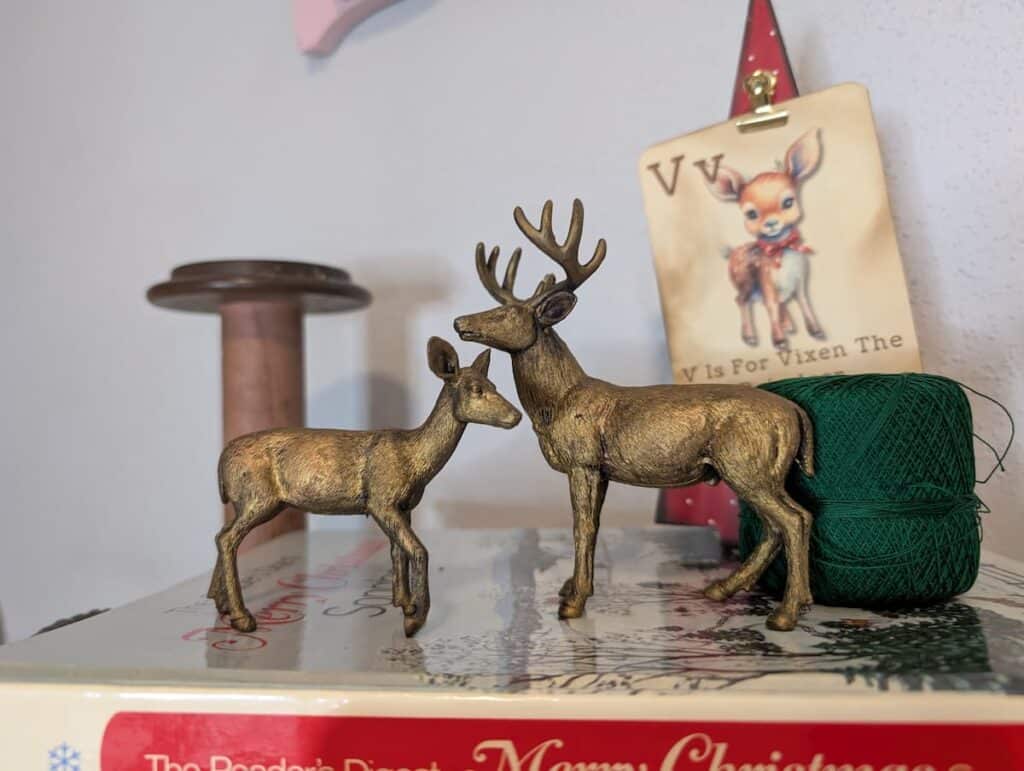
point(652, 436)
point(378, 473)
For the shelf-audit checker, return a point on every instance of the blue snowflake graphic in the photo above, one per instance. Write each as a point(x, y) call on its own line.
point(64, 758)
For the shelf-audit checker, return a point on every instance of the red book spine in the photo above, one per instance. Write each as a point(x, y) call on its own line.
point(137, 741)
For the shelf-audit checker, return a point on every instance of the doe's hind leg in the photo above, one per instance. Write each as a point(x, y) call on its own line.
point(218, 591)
point(250, 515)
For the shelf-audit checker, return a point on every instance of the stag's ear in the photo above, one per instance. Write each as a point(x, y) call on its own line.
point(803, 157)
point(442, 358)
point(555, 307)
point(482, 362)
point(727, 184)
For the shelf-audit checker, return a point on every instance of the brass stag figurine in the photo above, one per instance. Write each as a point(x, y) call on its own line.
point(653, 436)
point(379, 473)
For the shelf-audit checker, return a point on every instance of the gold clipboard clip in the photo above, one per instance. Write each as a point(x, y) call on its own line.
point(760, 86)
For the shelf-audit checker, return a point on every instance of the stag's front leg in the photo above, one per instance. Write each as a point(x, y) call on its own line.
point(587, 488)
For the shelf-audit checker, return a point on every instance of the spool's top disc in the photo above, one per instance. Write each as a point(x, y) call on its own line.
point(202, 287)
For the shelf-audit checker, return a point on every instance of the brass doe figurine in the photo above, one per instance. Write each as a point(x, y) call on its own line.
point(654, 436)
point(379, 473)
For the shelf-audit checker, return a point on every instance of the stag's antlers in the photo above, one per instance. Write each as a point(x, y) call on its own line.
point(565, 254)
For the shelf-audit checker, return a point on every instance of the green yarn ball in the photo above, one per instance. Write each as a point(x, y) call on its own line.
point(895, 516)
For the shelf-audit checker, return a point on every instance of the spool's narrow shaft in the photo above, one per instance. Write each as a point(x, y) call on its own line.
point(263, 382)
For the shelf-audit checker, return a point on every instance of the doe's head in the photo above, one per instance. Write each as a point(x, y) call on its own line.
point(770, 202)
point(476, 398)
point(514, 324)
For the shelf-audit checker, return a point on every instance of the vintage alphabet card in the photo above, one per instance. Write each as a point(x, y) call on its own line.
point(775, 249)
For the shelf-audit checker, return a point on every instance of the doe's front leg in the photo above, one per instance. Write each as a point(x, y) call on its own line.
point(400, 594)
point(396, 528)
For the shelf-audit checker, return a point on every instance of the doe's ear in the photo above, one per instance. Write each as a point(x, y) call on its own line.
point(555, 307)
point(442, 358)
point(482, 362)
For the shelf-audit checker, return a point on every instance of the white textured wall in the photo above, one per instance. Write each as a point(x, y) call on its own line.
point(139, 134)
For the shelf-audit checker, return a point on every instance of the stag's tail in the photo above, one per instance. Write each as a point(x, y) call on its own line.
point(806, 442)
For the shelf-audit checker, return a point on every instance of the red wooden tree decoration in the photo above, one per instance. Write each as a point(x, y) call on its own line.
point(762, 49)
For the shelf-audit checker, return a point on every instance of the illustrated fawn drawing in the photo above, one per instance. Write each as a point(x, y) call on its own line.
point(379, 473)
point(653, 436)
point(774, 267)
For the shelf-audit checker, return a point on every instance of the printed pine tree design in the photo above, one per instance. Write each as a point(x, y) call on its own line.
point(666, 636)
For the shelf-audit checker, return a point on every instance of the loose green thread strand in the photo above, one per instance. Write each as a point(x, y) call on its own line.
point(896, 521)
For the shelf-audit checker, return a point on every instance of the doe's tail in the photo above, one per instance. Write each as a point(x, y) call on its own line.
point(220, 478)
point(806, 442)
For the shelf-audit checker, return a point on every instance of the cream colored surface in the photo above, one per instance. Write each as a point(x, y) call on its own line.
point(856, 283)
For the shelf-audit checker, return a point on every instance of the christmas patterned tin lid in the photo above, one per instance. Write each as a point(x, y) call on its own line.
point(324, 606)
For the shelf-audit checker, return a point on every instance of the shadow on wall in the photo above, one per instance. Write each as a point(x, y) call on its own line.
point(395, 356)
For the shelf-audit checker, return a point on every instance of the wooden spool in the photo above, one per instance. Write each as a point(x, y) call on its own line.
point(261, 304)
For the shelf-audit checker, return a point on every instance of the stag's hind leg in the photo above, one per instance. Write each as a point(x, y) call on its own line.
point(795, 538)
point(806, 522)
point(247, 517)
point(756, 469)
point(750, 571)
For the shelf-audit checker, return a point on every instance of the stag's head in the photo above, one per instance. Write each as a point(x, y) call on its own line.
point(515, 323)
